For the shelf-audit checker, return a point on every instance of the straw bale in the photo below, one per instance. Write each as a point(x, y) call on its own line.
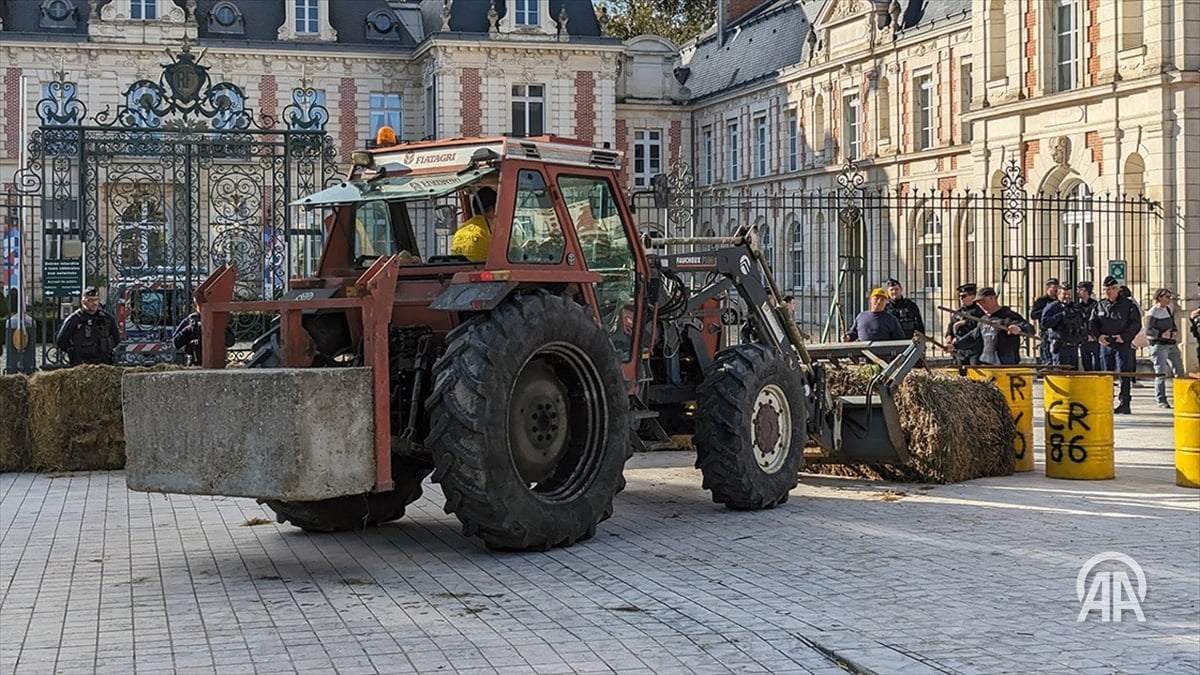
point(957, 429)
point(14, 423)
point(75, 418)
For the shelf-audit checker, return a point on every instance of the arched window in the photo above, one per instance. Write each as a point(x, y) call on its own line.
point(1134, 220)
point(997, 41)
point(1078, 228)
point(968, 262)
point(796, 262)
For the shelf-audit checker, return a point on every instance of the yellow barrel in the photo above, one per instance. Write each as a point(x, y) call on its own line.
point(1016, 384)
point(1079, 427)
point(1187, 432)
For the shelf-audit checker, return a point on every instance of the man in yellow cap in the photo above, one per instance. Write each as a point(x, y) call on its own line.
point(875, 323)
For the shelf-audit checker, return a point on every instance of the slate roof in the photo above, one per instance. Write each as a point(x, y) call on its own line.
point(470, 16)
point(773, 36)
point(757, 46)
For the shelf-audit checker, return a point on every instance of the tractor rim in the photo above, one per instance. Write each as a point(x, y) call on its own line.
point(770, 428)
point(557, 422)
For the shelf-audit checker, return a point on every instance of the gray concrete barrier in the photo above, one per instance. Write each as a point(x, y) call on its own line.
point(291, 434)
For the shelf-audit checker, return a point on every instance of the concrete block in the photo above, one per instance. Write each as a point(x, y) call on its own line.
point(291, 434)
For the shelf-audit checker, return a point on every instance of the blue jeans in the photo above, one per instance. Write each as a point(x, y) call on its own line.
point(1168, 363)
point(1119, 358)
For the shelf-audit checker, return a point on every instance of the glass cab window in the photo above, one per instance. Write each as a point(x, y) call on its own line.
point(537, 236)
point(605, 246)
point(373, 230)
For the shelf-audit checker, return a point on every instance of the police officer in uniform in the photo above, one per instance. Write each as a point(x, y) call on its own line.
point(89, 335)
point(905, 310)
point(961, 335)
point(1089, 349)
point(1114, 324)
point(1065, 327)
point(1035, 315)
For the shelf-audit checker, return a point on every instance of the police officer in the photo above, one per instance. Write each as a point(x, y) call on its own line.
point(961, 336)
point(89, 335)
point(1065, 327)
point(905, 310)
point(1114, 324)
point(1035, 314)
point(1089, 349)
point(187, 337)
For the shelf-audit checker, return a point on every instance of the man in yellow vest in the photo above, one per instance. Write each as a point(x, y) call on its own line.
point(472, 239)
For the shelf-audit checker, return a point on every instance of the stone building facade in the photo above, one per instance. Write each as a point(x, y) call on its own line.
point(935, 141)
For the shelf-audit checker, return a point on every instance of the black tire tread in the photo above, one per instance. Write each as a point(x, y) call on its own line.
point(722, 439)
point(457, 433)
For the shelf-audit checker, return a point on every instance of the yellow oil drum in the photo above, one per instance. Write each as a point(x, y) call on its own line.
point(1016, 384)
point(1079, 427)
point(1187, 432)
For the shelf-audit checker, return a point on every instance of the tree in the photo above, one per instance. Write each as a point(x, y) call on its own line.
point(676, 20)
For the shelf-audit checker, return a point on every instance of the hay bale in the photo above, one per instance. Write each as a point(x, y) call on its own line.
point(14, 423)
point(75, 419)
point(957, 429)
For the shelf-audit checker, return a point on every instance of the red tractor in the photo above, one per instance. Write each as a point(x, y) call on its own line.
point(521, 382)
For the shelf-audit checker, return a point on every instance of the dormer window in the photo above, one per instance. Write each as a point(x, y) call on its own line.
point(307, 19)
point(307, 16)
point(526, 12)
point(226, 18)
point(144, 10)
point(59, 14)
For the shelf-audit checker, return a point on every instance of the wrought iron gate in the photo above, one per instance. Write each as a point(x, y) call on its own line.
point(829, 247)
point(144, 199)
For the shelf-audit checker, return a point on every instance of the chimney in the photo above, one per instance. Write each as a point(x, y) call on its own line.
point(722, 20)
point(739, 8)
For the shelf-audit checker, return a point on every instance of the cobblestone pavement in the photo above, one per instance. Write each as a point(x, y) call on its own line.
point(972, 578)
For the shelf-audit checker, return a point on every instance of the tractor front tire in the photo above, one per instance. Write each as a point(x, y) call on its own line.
point(530, 424)
point(357, 512)
point(750, 428)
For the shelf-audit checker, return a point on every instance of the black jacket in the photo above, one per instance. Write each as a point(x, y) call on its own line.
point(1064, 322)
point(1039, 307)
point(88, 338)
point(187, 337)
point(966, 338)
point(908, 314)
point(1112, 318)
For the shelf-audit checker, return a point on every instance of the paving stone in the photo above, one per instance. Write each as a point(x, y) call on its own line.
point(971, 578)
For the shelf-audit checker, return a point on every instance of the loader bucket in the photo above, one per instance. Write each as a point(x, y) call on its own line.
point(866, 429)
point(297, 434)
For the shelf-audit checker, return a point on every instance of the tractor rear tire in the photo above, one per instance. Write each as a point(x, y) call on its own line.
point(750, 428)
point(357, 512)
point(351, 512)
point(530, 424)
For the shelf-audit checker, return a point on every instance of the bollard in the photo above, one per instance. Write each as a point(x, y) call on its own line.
point(1016, 384)
point(1187, 432)
point(1079, 427)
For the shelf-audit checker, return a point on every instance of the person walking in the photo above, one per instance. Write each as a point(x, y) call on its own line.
point(1089, 348)
point(961, 337)
point(1000, 337)
point(1065, 327)
point(1114, 324)
point(875, 323)
point(1035, 314)
point(89, 335)
point(1163, 333)
point(905, 310)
